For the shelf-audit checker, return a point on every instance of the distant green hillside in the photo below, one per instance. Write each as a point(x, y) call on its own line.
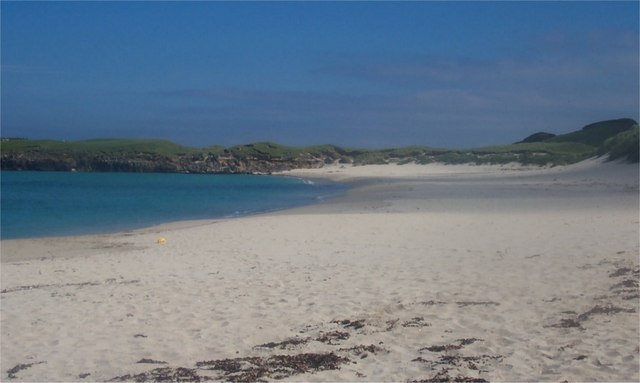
point(623, 145)
point(537, 153)
point(102, 145)
point(614, 138)
point(618, 139)
point(596, 134)
point(537, 137)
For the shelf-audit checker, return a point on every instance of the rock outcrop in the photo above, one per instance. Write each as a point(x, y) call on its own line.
point(148, 162)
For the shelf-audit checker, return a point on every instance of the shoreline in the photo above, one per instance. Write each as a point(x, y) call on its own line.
point(353, 176)
point(484, 273)
point(341, 174)
point(331, 173)
point(160, 225)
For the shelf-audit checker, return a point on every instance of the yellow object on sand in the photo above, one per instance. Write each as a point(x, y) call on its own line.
point(162, 241)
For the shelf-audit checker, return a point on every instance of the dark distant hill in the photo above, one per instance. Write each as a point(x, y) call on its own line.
point(596, 134)
point(537, 137)
point(623, 145)
point(617, 139)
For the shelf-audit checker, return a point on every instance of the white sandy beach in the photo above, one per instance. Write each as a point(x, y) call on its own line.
point(419, 272)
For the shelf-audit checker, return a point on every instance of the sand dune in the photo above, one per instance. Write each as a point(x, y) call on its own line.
point(419, 272)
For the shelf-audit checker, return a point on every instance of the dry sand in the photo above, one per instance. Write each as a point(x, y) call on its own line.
point(418, 272)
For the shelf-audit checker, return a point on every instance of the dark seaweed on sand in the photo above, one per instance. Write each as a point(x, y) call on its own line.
point(151, 361)
point(596, 310)
point(448, 347)
point(416, 322)
point(470, 362)
point(346, 323)
point(11, 373)
point(164, 374)
point(252, 369)
point(606, 310)
point(475, 303)
point(284, 344)
point(333, 336)
point(444, 377)
point(362, 350)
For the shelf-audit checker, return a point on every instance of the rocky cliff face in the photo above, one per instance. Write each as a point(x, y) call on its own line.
point(147, 162)
point(617, 138)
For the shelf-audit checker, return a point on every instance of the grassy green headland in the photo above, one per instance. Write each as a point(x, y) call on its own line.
point(617, 139)
point(623, 145)
point(101, 145)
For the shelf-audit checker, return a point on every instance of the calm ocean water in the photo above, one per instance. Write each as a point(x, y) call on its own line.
point(37, 204)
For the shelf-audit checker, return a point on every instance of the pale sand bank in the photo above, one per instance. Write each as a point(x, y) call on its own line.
point(500, 273)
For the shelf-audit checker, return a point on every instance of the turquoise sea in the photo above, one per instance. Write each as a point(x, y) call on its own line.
point(39, 204)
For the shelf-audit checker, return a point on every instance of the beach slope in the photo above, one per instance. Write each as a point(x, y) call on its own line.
point(419, 272)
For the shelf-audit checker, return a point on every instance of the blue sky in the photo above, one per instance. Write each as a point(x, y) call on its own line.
point(373, 74)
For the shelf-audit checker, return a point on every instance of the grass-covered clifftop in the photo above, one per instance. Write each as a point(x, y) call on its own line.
point(623, 145)
point(617, 139)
